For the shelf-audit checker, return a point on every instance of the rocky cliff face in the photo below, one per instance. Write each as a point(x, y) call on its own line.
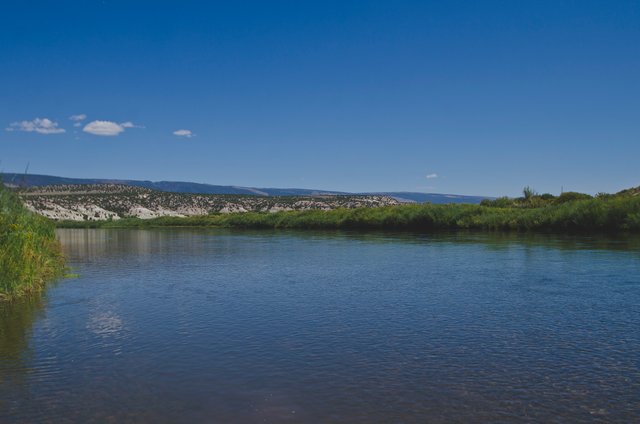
point(98, 202)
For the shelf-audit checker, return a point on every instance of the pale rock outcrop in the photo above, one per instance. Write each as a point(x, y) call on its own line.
point(113, 201)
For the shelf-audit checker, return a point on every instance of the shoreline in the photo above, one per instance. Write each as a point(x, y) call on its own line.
point(616, 214)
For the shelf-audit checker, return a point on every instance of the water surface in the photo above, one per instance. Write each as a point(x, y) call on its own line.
point(215, 326)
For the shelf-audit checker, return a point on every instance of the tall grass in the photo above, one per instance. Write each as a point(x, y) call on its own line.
point(616, 213)
point(30, 255)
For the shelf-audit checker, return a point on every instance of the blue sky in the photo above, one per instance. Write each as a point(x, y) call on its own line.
point(482, 97)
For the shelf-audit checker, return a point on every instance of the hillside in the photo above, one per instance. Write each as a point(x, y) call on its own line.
point(31, 180)
point(635, 191)
point(98, 202)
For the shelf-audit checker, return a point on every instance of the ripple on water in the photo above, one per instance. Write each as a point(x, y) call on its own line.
point(198, 326)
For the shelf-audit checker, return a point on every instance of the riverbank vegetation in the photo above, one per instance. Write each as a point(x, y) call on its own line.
point(30, 254)
point(569, 212)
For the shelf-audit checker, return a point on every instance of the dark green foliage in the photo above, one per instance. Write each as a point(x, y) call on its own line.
point(29, 252)
point(571, 196)
point(533, 200)
point(529, 192)
point(500, 202)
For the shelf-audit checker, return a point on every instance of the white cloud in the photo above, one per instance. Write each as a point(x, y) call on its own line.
point(77, 124)
point(184, 133)
point(130, 124)
point(80, 117)
point(432, 176)
point(108, 128)
point(104, 128)
point(41, 126)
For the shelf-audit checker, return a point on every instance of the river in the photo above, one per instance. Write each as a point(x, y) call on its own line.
point(195, 325)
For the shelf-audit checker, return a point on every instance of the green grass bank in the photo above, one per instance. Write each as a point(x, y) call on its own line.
point(30, 254)
point(585, 215)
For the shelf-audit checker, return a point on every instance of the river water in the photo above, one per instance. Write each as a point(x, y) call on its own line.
point(194, 325)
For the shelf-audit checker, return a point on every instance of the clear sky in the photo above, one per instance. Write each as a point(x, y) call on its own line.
point(466, 97)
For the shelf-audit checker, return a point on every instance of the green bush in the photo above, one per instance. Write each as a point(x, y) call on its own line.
point(500, 202)
point(571, 196)
point(528, 193)
point(30, 254)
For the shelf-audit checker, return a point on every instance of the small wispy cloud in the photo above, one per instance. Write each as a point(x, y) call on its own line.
point(39, 125)
point(432, 176)
point(103, 128)
point(77, 119)
point(130, 124)
point(184, 133)
point(80, 117)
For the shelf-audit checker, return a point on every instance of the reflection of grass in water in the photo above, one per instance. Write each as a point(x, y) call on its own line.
point(16, 322)
point(30, 255)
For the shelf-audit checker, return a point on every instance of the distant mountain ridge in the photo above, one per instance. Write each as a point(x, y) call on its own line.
point(30, 180)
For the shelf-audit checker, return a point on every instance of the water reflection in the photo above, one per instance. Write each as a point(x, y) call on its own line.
point(199, 325)
point(105, 324)
point(96, 243)
point(16, 324)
